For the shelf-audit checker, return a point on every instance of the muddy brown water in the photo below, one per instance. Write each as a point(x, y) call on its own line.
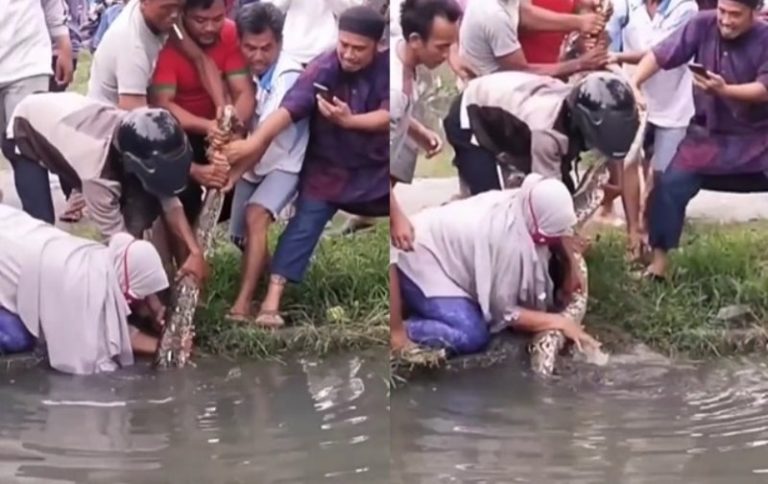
point(640, 420)
point(222, 422)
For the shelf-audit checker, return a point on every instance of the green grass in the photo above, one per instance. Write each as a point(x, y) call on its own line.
point(718, 266)
point(80, 82)
point(342, 304)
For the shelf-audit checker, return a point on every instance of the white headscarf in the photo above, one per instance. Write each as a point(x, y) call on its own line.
point(137, 265)
point(517, 268)
point(551, 203)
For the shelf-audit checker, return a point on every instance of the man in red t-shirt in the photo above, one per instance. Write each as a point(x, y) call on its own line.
point(177, 87)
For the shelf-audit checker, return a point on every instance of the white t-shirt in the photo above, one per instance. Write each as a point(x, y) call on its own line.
point(488, 31)
point(287, 150)
point(25, 42)
point(395, 31)
point(310, 26)
point(125, 58)
point(669, 94)
point(402, 149)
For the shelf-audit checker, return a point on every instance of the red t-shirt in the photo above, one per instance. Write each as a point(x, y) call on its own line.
point(175, 71)
point(544, 47)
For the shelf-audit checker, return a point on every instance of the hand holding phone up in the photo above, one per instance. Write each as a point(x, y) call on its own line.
point(331, 107)
point(705, 80)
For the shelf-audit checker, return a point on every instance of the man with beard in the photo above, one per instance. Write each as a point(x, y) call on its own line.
point(177, 87)
point(345, 94)
point(726, 145)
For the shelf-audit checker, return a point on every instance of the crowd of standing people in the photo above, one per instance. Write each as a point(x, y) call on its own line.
point(325, 95)
point(541, 83)
point(308, 81)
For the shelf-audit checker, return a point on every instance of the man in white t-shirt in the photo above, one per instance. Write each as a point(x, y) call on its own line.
point(489, 42)
point(429, 29)
point(637, 26)
point(310, 26)
point(125, 60)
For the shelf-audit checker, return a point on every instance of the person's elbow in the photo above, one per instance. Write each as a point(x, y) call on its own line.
point(129, 102)
point(513, 61)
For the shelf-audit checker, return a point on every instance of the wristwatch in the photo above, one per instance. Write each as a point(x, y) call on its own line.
point(512, 316)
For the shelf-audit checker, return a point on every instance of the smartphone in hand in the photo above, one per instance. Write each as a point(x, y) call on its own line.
point(323, 92)
point(698, 69)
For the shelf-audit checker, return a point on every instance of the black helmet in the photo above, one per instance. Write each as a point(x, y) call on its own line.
point(155, 149)
point(603, 109)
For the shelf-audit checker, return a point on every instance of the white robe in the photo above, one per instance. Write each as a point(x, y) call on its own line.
point(481, 248)
point(66, 291)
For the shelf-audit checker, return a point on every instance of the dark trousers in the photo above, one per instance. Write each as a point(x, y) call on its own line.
point(477, 166)
point(32, 184)
point(673, 190)
point(298, 241)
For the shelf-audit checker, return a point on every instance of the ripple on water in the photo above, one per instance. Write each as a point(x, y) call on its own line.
point(309, 421)
point(635, 422)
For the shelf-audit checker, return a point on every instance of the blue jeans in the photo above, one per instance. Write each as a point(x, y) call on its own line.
point(453, 323)
point(14, 337)
point(673, 190)
point(662, 144)
point(300, 237)
point(34, 188)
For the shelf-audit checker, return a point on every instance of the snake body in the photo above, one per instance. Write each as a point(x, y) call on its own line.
point(179, 328)
point(546, 345)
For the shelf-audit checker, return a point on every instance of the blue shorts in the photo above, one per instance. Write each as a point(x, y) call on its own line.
point(273, 192)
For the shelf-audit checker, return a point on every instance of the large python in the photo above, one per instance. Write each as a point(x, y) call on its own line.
point(173, 349)
point(546, 345)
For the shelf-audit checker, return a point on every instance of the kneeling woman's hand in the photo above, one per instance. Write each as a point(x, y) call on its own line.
point(574, 332)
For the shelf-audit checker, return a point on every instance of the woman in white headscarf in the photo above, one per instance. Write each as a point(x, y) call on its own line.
point(76, 294)
point(482, 264)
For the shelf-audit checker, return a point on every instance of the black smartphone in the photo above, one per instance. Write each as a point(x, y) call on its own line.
point(323, 91)
point(698, 69)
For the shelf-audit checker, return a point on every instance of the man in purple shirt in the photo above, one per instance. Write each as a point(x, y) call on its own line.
point(345, 94)
point(726, 146)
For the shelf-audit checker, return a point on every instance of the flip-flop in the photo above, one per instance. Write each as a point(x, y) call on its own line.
point(238, 318)
point(71, 216)
point(647, 275)
point(74, 210)
point(269, 319)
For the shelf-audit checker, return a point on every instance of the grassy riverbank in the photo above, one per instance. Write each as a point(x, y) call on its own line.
point(719, 266)
point(342, 304)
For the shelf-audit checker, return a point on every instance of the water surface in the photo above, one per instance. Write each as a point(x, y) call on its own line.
point(640, 420)
point(222, 422)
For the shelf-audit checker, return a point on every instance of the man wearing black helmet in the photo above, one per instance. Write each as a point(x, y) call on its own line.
point(539, 124)
point(129, 165)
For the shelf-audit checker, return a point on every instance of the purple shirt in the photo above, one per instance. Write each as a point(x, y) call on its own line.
point(725, 136)
point(343, 166)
